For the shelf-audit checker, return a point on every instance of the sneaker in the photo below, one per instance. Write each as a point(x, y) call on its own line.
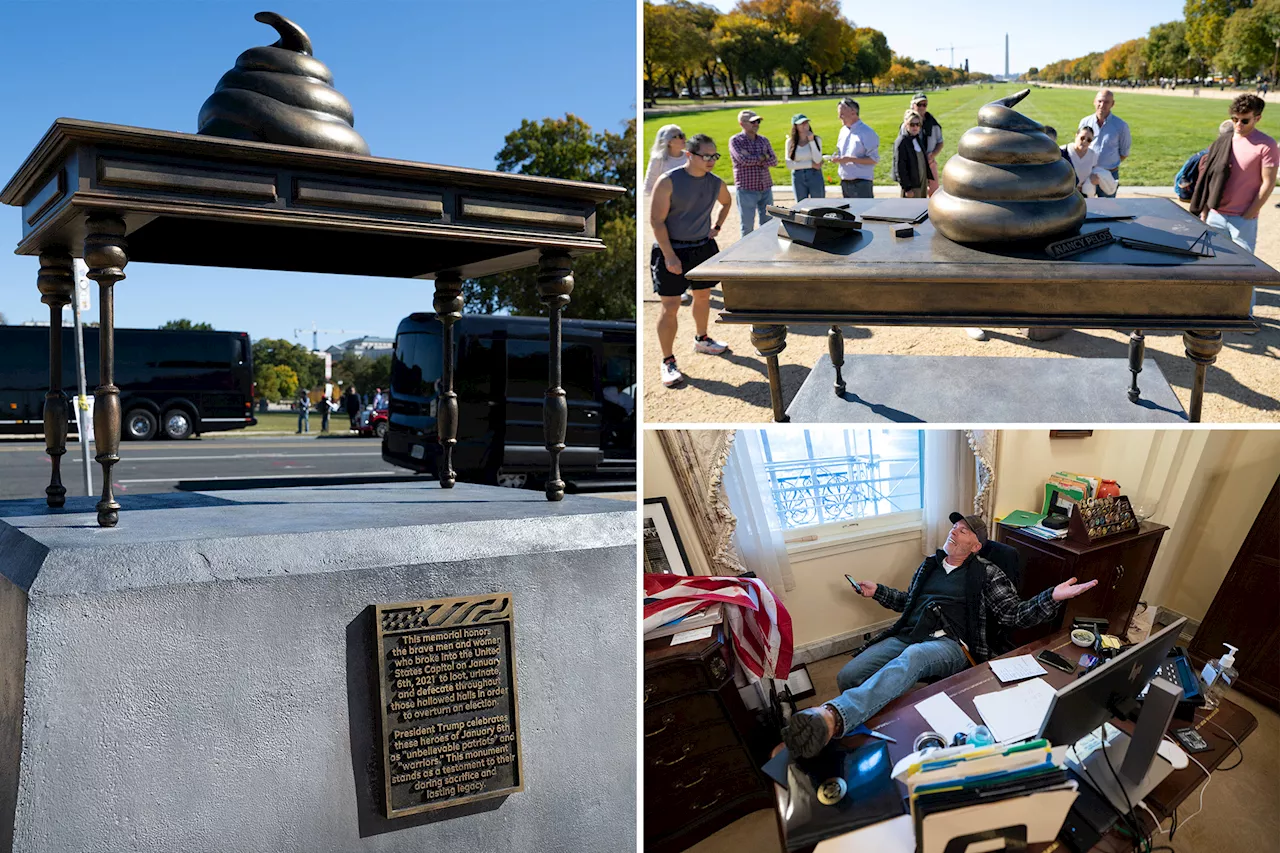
point(976, 334)
point(671, 375)
point(708, 345)
point(686, 298)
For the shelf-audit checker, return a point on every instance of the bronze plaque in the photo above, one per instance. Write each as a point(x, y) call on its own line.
point(450, 720)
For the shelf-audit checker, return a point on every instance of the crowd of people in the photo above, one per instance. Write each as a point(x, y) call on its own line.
point(1227, 184)
point(349, 401)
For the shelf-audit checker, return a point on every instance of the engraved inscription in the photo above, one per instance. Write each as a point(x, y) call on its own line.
point(541, 217)
point(191, 179)
point(327, 194)
point(449, 712)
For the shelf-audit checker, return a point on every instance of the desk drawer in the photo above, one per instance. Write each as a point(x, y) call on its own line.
point(700, 803)
point(681, 714)
point(680, 782)
point(685, 749)
point(678, 679)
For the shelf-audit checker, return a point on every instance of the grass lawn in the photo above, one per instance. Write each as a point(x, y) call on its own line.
point(275, 421)
point(1166, 130)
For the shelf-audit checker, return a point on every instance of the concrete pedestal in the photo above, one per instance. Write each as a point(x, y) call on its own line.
point(201, 678)
point(951, 389)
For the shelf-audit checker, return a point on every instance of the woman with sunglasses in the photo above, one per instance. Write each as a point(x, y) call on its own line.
point(804, 159)
point(910, 163)
point(667, 153)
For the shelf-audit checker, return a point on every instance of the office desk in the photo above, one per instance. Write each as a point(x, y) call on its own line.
point(872, 278)
point(900, 720)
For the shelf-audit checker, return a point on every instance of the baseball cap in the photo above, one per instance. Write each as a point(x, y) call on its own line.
point(974, 523)
point(749, 115)
point(919, 96)
point(799, 117)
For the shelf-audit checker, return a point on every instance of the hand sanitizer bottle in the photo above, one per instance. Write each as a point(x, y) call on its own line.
point(1218, 676)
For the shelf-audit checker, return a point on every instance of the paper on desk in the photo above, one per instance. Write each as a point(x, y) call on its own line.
point(1016, 669)
point(944, 716)
point(1015, 714)
point(690, 636)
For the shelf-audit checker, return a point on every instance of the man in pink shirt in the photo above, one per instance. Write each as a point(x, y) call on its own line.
point(1254, 160)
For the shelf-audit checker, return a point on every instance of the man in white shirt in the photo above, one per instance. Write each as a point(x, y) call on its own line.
point(857, 152)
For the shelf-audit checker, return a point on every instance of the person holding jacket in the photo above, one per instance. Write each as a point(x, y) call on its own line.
point(930, 136)
point(804, 159)
point(910, 162)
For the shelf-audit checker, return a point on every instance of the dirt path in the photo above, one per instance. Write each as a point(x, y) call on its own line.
point(1242, 387)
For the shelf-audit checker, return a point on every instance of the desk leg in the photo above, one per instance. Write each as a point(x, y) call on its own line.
point(835, 347)
point(57, 285)
point(555, 283)
point(769, 341)
point(106, 252)
point(1137, 352)
point(1202, 348)
point(448, 306)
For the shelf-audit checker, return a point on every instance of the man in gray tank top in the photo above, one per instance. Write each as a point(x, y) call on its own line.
point(680, 213)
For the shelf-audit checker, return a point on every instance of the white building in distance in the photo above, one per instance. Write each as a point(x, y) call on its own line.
point(369, 345)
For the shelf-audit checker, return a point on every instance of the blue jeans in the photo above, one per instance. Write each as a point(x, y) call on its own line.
point(1115, 173)
point(808, 184)
point(304, 424)
point(751, 202)
point(886, 670)
point(1243, 232)
point(857, 188)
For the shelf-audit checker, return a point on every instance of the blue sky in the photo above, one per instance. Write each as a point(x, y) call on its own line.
point(439, 81)
point(1039, 31)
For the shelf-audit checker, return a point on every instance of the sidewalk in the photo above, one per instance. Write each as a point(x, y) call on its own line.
point(1242, 387)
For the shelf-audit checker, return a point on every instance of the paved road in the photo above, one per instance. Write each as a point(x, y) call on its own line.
point(168, 466)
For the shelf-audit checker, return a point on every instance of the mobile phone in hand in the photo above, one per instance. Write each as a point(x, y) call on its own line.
point(857, 585)
point(1056, 661)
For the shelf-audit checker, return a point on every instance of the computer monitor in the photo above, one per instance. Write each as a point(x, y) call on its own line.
point(1112, 690)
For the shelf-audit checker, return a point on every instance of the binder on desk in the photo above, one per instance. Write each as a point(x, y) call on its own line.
point(1017, 795)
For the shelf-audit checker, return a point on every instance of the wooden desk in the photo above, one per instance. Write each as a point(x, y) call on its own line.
point(875, 279)
point(900, 720)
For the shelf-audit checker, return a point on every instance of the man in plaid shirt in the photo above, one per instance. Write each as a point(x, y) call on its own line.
point(943, 629)
point(752, 155)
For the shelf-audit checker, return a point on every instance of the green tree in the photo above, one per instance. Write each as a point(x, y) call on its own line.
point(747, 46)
point(1167, 51)
point(366, 373)
point(277, 382)
point(185, 325)
point(604, 282)
point(269, 352)
point(1249, 39)
point(3, 321)
point(871, 59)
point(1206, 20)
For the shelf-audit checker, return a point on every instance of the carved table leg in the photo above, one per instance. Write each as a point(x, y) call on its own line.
point(555, 283)
point(835, 346)
point(448, 305)
point(106, 253)
point(1202, 348)
point(769, 341)
point(1137, 352)
point(57, 285)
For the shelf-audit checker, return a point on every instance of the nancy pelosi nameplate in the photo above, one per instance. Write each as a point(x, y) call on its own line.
point(450, 722)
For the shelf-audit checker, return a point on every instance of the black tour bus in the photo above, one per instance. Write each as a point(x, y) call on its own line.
point(172, 383)
point(500, 379)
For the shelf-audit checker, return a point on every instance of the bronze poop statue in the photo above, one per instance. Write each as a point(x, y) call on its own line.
point(281, 94)
point(1008, 182)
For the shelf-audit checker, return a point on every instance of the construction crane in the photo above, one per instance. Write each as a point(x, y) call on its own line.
point(952, 48)
point(315, 334)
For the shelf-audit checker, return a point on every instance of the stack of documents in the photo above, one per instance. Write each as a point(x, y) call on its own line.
point(1016, 713)
point(1045, 532)
point(1009, 790)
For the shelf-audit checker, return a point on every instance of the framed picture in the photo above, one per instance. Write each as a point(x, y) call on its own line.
point(663, 551)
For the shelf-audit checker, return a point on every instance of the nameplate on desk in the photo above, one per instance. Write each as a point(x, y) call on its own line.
point(1082, 243)
point(449, 717)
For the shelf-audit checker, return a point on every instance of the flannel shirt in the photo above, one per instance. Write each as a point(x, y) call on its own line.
point(751, 161)
point(999, 597)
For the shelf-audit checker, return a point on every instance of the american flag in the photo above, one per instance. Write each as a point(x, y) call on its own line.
point(759, 626)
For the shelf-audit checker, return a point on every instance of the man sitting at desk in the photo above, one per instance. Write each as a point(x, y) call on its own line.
point(943, 629)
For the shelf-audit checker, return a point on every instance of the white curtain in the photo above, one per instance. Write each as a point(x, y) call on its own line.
point(983, 443)
point(949, 483)
point(758, 535)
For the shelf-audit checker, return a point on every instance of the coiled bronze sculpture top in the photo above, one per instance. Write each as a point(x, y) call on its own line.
point(281, 94)
point(1007, 182)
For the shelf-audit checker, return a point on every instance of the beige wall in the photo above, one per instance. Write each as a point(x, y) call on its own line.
point(824, 605)
point(659, 482)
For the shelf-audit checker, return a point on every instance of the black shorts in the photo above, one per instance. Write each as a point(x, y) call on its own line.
point(667, 283)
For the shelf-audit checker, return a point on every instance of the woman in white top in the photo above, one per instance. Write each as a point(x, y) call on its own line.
point(1084, 160)
point(667, 153)
point(804, 159)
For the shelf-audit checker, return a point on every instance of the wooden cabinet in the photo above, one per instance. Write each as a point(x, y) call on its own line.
point(1120, 564)
point(701, 746)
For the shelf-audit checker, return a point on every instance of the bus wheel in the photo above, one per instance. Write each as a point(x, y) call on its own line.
point(510, 480)
point(139, 425)
point(177, 423)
